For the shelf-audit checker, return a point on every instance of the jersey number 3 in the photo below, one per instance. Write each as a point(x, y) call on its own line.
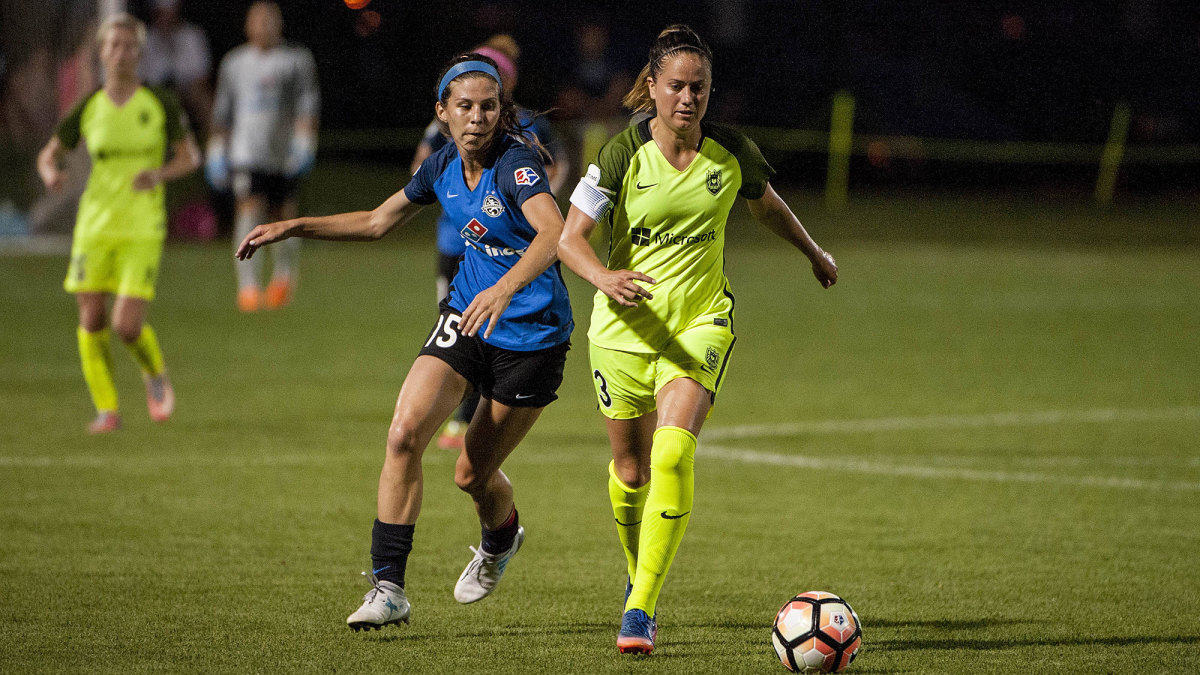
point(605, 397)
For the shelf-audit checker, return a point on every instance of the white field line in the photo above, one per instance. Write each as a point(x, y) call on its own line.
point(944, 422)
point(140, 463)
point(917, 471)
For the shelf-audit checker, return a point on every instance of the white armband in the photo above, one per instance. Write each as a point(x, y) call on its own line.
point(589, 197)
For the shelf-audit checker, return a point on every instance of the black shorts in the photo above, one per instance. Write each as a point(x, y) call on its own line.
point(514, 378)
point(447, 265)
point(275, 187)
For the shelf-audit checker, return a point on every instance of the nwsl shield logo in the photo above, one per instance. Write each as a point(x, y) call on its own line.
point(474, 230)
point(526, 176)
point(714, 181)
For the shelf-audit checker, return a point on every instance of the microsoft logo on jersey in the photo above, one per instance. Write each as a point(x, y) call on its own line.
point(642, 236)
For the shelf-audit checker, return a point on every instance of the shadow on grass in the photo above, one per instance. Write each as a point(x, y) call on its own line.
point(985, 645)
point(498, 632)
point(942, 624)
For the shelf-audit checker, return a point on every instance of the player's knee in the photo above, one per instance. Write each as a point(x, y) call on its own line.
point(128, 331)
point(671, 457)
point(666, 459)
point(403, 439)
point(467, 478)
point(93, 322)
point(634, 474)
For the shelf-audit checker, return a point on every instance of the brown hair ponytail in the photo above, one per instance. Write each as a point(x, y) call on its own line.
point(674, 38)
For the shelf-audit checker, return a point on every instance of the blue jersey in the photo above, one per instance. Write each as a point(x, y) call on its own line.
point(495, 234)
point(448, 241)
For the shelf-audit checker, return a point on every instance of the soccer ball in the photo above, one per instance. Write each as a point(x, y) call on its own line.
point(816, 632)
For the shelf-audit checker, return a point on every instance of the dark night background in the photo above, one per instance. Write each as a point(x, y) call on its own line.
point(1018, 70)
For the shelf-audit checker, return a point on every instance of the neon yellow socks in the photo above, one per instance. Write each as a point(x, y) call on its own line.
point(666, 514)
point(627, 506)
point(96, 359)
point(146, 352)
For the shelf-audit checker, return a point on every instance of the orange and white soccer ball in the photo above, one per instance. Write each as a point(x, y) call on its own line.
point(816, 632)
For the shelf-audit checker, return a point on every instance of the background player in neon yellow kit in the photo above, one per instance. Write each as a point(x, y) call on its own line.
point(659, 348)
point(121, 223)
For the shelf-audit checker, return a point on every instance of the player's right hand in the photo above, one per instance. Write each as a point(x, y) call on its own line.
point(825, 269)
point(53, 179)
point(262, 235)
point(619, 286)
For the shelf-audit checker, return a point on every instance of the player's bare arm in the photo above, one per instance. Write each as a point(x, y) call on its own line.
point(577, 253)
point(353, 226)
point(49, 164)
point(185, 158)
point(776, 216)
point(545, 218)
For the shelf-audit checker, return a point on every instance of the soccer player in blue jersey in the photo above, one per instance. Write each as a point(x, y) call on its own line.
point(502, 49)
point(504, 328)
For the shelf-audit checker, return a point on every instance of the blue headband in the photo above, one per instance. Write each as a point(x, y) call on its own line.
point(466, 67)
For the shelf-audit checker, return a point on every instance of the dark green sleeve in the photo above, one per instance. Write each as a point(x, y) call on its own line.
point(175, 118)
point(69, 131)
point(614, 160)
point(756, 172)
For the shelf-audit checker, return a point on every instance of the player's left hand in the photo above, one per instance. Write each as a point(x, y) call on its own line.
point(146, 180)
point(485, 310)
point(825, 269)
point(261, 235)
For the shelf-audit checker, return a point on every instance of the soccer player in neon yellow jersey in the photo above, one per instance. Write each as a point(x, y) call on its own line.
point(121, 224)
point(663, 325)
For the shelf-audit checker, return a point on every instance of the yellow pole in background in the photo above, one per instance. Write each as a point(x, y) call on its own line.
point(1110, 159)
point(841, 131)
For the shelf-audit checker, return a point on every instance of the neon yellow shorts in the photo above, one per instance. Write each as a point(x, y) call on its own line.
point(628, 382)
point(128, 268)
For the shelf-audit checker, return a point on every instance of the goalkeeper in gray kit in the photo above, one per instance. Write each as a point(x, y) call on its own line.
point(263, 140)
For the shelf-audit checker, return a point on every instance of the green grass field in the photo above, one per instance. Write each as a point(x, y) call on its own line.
point(985, 437)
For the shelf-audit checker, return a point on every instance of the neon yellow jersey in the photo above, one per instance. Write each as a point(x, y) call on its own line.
point(670, 225)
point(122, 141)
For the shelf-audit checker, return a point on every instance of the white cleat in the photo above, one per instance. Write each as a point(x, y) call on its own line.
point(482, 574)
point(383, 605)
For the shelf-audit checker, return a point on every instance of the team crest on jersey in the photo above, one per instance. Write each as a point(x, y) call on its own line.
point(526, 176)
point(474, 230)
point(711, 357)
point(713, 183)
point(144, 118)
point(492, 206)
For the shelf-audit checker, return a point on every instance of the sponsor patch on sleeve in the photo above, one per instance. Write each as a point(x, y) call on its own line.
point(526, 176)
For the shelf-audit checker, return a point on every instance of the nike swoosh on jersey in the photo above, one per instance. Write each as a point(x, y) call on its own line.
point(643, 187)
point(450, 196)
point(664, 515)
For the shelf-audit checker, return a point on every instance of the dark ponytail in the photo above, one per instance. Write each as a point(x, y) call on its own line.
point(674, 38)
